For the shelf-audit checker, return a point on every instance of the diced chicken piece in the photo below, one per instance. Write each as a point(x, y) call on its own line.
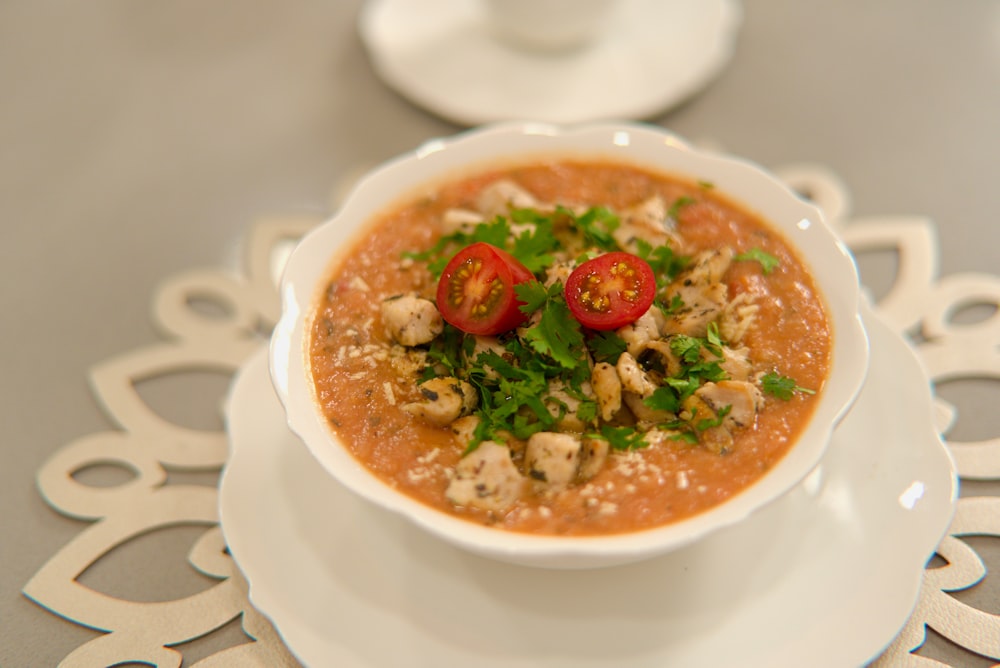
point(411, 320)
point(500, 197)
point(709, 266)
point(661, 348)
point(445, 400)
point(647, 221)
point(460, 220)
point(646, 416)
point(651, 212)
point(552, 459)
point(593, 455)
point(566, 404)
point(743, 398)
point(715, 438)
point(637, 335)
point(486, 478)
point(736, 363)
point(608, 388)
point(703, 304)
point(464, 428)
point(701, 292)
point(737, 317)
point(632, 377)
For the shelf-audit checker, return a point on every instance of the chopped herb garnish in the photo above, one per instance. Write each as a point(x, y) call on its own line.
point(597, 225)
point(606, 347)
point(768, 262)
point(782, 387)
point(557, 333)
point(680, 203)
point(623, 438)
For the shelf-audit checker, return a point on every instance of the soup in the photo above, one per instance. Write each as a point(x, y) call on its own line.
point(569, 348)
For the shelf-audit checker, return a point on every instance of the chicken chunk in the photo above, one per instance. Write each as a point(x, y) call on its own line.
point(486, 478)
point(553, 459)
point(445, 400)
point(411, 320)
point(701, 291)
point(563, 406)
point(633, 378)
point(460, 220)
point(647, 221)
point(743, 398)
point(608, 388)
point(500, 197)
point(593, 454)
point(736, 363)
point(716, 437)
point(637, 335)
point(737, 317)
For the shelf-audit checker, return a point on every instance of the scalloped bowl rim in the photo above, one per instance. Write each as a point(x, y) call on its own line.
point(743, 182)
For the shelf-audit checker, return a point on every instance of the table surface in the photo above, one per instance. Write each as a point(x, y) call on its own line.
point(140, 140)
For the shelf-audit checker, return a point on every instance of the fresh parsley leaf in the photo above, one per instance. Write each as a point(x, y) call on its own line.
point(597, 225)
point(670, 308)
point(606, 347)
point(662, 259)
point(664, 398)
point(557, 334)
point(623, 438)
point(768, 262)
point(782, 387)
point(445, 351)
point(687, 348)
point(679, 203)
point(532, 295)
point(708, 423)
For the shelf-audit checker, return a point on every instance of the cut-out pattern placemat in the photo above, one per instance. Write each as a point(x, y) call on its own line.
point(919, 304)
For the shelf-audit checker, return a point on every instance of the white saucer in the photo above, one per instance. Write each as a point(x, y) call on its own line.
point(826, 576)
point(441, 55)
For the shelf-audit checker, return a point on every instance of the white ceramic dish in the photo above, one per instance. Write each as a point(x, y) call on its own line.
point(801, 223)
point(441, 55)
point(826, 576)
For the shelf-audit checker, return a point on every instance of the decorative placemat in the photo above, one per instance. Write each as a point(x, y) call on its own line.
point(919, 304)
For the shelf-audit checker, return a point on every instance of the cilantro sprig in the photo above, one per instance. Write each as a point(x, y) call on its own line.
point(768, 262)
point(782, 387)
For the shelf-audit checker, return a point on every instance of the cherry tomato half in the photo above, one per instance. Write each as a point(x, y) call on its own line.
point(476, 290)
point(610, 290)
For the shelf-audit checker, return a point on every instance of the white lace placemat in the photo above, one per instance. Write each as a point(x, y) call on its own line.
point(919, 303)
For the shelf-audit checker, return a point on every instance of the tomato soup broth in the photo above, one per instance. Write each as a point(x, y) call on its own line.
point(362, 377)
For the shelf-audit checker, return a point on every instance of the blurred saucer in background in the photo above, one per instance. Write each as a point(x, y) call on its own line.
point(444, 55)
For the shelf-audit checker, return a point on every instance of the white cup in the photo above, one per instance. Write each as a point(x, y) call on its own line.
point(548, 25)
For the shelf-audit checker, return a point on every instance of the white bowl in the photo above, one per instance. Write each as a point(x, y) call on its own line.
point(802, 224)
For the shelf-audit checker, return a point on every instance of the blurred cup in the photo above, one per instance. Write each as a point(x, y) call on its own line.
point(548, 25)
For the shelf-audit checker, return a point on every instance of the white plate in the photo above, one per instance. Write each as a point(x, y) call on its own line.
point(654, 54)
point(825, 576)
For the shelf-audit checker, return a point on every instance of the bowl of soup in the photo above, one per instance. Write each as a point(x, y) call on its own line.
point(569, 347)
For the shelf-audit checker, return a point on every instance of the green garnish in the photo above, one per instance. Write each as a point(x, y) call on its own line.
point(557, 333)
point(679, 203)
point(768, 262)
point(623, 438)
point(782, 387)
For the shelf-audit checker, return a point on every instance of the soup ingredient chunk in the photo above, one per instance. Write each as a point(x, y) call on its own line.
point(411, 320)
point(610, 291)
point(476, 290)
point(486, 478)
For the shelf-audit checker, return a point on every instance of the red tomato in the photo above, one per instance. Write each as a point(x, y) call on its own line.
point(610, 290)
point(476, 290)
